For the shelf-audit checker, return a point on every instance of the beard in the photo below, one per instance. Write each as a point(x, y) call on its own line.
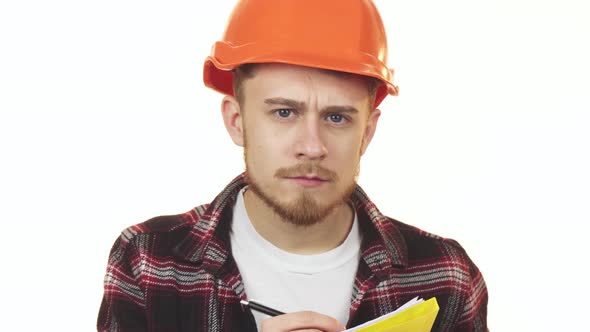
point(305, 210)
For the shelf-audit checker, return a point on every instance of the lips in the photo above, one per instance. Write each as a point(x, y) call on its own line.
point(308, 180)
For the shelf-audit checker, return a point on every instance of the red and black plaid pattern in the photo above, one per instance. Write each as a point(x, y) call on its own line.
point(176, 273)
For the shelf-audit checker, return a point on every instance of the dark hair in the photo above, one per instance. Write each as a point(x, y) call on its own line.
point(241, 74)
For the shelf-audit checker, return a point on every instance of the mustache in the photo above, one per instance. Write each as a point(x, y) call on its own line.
point(305, 169)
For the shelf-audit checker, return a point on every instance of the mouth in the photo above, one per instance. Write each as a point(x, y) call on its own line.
point(308, 180)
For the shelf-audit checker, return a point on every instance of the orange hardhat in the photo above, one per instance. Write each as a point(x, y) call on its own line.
point(340, 35)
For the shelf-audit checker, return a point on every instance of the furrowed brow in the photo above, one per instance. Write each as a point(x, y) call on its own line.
point(340, 109)
point(285, 102)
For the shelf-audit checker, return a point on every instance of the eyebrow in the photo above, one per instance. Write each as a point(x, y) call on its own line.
point(340, 109)
point(301, 105)
point(286, 102)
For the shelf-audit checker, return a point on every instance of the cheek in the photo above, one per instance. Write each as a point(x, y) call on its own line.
point(345, 157)
point(274, 142)
point(263, 152)
point(345, 147)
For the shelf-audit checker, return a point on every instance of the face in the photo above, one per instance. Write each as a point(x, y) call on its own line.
point(303, 131)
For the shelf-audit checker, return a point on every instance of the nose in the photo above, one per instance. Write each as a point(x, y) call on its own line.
point(310, 145)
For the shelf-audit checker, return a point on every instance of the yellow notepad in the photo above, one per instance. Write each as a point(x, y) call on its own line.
point(415, 316)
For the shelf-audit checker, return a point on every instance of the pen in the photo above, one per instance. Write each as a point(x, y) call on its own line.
point(261, 308)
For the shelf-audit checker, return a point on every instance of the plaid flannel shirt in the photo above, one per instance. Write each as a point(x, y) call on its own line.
point(176, 273)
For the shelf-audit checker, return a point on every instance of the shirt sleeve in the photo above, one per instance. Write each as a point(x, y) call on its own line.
point(123, 303)
point(474, 314)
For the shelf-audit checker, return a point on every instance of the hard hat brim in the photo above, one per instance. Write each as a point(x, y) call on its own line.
point(218, 75)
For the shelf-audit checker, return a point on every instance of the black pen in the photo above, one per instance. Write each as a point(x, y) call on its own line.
point(261, 308)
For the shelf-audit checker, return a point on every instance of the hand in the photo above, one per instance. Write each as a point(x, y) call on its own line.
point(302, 321)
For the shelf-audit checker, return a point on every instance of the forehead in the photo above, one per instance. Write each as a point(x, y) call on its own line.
point(283, 80)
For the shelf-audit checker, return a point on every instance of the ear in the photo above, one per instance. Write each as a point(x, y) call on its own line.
point(370, 129)
point(232, 118)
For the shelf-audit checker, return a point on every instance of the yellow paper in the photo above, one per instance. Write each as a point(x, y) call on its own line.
point(418, 318)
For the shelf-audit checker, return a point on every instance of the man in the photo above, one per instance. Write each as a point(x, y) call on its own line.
point(294, 231)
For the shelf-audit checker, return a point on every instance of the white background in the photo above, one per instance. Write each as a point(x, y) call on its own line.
point(105, 122)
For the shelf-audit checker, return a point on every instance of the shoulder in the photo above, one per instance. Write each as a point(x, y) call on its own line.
point(441, 258)
point(165, 230)
point(145, 257)
point(421, 240)
point(153, 243)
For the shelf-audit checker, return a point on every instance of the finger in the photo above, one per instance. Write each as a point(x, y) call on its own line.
point(302, 320)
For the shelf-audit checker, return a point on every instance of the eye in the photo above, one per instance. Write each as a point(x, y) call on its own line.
point(336, 118)
point(283, 112)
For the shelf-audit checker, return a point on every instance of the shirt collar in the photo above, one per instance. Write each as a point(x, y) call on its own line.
point(207, 242)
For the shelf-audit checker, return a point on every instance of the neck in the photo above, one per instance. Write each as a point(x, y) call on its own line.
point(324, 235)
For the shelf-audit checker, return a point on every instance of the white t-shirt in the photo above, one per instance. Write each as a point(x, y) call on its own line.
point(291, 282)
